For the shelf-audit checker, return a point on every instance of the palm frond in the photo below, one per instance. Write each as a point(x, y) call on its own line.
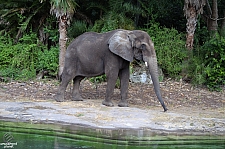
point(63, 7)
point(25, 24)
point(197, 4)
point(21, 16)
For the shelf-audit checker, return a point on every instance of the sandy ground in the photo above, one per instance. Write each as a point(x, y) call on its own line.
point(191, 109)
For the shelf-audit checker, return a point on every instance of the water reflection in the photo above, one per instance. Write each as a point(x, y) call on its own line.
point(56, 136)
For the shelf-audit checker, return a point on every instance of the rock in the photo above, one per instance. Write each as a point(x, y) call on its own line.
point(140, 78)
point(141, 75)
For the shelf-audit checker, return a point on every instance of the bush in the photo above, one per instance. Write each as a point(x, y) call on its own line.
point(170, 49)
point(48, 60)
point(207, 66)
point(196, 70)
point(17, 60)
point(77, 28)
point(213, 52)
point(21, 61)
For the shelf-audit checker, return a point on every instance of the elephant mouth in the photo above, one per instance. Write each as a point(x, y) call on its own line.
point(139, 59)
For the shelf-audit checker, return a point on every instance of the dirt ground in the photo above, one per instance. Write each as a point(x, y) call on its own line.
point(176, 94)
point(190, 108)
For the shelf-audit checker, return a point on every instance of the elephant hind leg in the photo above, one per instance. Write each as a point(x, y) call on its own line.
point(76, 84)
point(62, 87)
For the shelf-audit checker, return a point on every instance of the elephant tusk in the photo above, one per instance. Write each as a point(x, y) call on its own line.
point(146, 64)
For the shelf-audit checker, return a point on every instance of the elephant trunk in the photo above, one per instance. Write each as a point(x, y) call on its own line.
point(153, 68)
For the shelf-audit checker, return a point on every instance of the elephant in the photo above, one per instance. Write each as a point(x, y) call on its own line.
point(93, 54)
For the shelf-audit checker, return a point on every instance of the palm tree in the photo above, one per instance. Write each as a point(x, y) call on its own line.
point(192, 8)
point(22, 16)
point(63, 10)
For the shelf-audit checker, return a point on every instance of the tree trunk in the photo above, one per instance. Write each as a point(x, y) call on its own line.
point(62, 42)
point(137, 16)
point(223, 25)
point(212, 21)
point(191, 25)
point(192, 8)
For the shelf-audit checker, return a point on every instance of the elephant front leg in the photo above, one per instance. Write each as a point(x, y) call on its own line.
point(124, 83)
point(111, 82)
point(76, 93)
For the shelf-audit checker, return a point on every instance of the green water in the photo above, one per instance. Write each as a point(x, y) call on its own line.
point(56, 136)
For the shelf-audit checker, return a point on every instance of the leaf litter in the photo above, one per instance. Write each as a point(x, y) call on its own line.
point(175, 94)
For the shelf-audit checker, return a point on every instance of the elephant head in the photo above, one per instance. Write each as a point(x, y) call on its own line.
point(137, 44)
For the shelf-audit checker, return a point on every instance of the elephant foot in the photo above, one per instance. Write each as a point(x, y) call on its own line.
point(77, 98)
point(59, 98)
point(123, 104)
point(165, 109)
point(108, 103)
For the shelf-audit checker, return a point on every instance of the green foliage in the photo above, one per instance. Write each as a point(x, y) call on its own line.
point(169, 47)
point(117, 16)
point(102, 78)
point(51, 31)
point(98, 79)
point(48, 60)
point(214, 54)
point(201, 36)
point(17, 61)
point(22, 15)
point(77, 28)
point(207, 66)
point(63, 7)
point(22, 60)
point(113, 21)
point(195, 70)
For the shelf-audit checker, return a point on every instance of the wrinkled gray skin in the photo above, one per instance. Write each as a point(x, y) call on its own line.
point(93, 54)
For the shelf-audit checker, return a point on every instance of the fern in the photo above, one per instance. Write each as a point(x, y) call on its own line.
point(77, 28)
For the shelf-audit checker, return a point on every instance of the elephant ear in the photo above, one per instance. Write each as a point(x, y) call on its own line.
point(121, 44)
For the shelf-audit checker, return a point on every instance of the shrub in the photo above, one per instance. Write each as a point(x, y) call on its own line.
point(77, 28)
point(207, 66)
point(21, 61)
point(17, 60)
point(170, 49)
point(48, 60)
point(213, 52)
point(196, 70)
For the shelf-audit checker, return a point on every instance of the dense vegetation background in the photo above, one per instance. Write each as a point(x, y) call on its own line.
point(30, 41)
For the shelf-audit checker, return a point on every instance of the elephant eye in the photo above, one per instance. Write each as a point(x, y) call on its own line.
point(143, 46)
